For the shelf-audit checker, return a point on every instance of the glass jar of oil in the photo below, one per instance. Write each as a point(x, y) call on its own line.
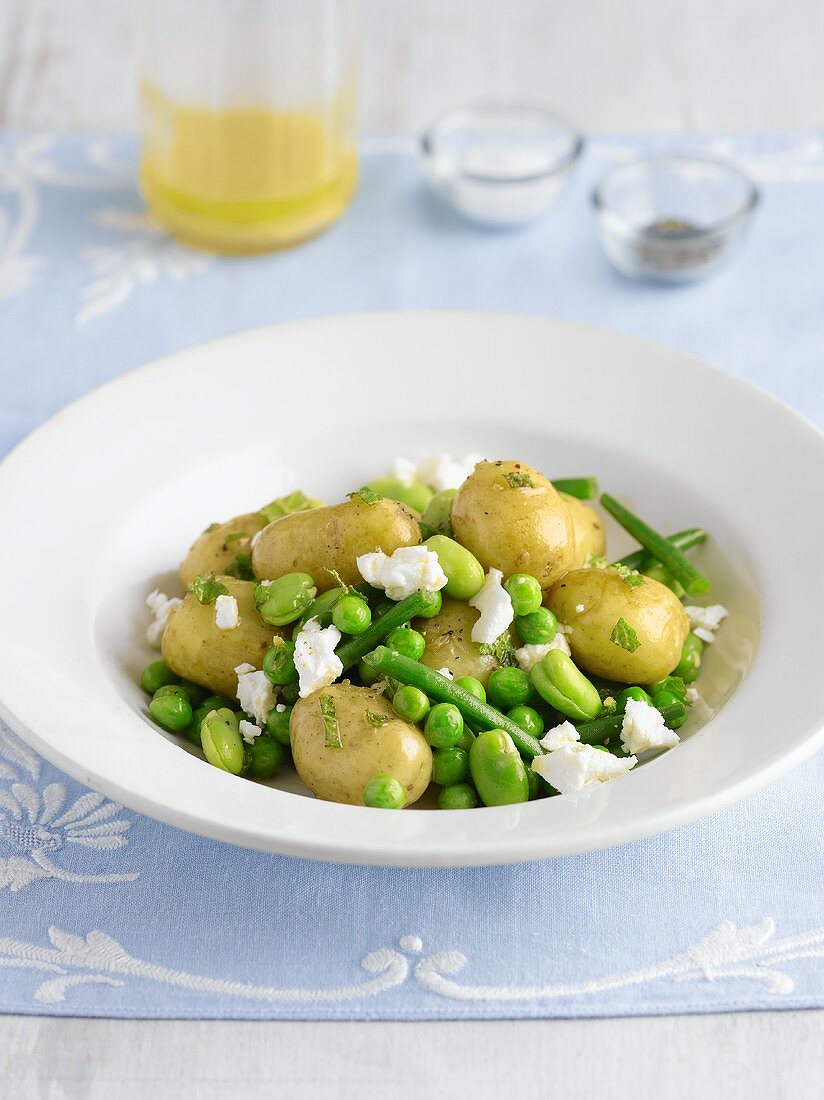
point(248, 111)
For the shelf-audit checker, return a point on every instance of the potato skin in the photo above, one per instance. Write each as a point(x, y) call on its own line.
point(651, 609)
point(517, 530)
point(590, 535)
point(397, 748)
point(449, 643)
point(211, 553)
point(196, 649)
point(331, 538)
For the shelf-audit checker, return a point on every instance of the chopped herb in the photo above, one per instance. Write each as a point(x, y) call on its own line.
point(367, 495)
point(631, 577)
point(674, 684)
point(330, 722)
point(235, 535)
point(284, 506)
point(518, 479)
point(241, 568)
point(502, 649)
point(624, 636)
point(207, 589)
point(260, 592)
point(376, 720)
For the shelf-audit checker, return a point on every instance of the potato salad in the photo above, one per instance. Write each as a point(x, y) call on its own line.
point(455, 625)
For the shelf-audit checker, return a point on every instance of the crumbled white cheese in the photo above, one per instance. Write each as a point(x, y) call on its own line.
point(226, 613)
point(529, 655)
point(556, 738)
point(704, 621)
point(249, 731)
point(404, 471)
point(254, 692)
point(495, 607)
point(441, 472)
point(160, 606)
point(691, 696)
point(409, 569)
point(574, 768)
point(445, 672)
point(264, 584)
point(643, 728)
point(280, 708)
point(315, 659)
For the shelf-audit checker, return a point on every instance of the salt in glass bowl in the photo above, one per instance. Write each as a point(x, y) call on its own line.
point(500, 164)
point(673, 218)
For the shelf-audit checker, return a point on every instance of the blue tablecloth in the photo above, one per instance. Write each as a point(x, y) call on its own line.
point(104, 912)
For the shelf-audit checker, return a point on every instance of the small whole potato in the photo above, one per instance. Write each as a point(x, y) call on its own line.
point(219, 545)
point(449, 643)
point(592, 601)
point(590, 535)
point(374, 741)
point(512, 518)
point(197, 649)
point(325, 541)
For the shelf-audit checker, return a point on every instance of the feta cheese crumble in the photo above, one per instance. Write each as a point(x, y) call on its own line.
point(226, 613)
point(579, 607)
point(574, 768)
point(404, 471)
point(439, 472)
point(556, 738)
point(643, 728)
point(160, 606)
point(704, 621)
point(445, 672)
point(315, 659)
point(249, 731)
point(409, 569)
point(529, 655)
point(254, 692)
point(495, 607)
point(691, 696)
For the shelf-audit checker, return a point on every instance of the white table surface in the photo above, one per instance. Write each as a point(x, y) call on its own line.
point(633, 65)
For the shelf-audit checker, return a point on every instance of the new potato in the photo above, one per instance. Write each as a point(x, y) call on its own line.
point(652, 610)
point(212, 553)
point(590, 536)
point(396, 748)
point(197, 649)
point(328, 540)
point(517, 529)
point(449, 643)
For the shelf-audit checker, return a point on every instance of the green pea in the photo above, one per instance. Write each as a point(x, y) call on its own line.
point(277, 724)
point(410, 703)
point(408, 642)
point(528, 719)
point(536, 628)
point(444, 726)
point(384, 792)
point(525, 592)
point(415, 496)
point(351, 615)
point(464, 573)
point(498, 771)
point(565, 687)
point(460, 796)
point(320, 609)
point(450, 766)
point(534, 781)
point(434, 607)
point(156, 675)
point(290, 693)
point(172, 689)
point(690, 662)
point(285, 599)
point(667, 699)
point(279, 663)
point(196, 692)
point(473, 686)
point(221, 740)
point(172, 712)
point(263, 757)
point(508, 687)
point(636, 693)
point(438, 513)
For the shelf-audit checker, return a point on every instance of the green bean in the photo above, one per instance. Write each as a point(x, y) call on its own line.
point(464, 573)
point(558, 681)
point(285, 599)
point(662, 549)
point(584, 488)
point(498, 772)
point(384, 792)
point(683, 540)
point(157, 675)
point(221, 740)
point(458, 796)
point(604, 730)
point(441, 690)
point(351, 651)
point(663, 699)
point(660, 573)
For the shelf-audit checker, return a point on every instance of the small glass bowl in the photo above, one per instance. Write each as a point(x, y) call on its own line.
point(673, 219)
point(500, 164)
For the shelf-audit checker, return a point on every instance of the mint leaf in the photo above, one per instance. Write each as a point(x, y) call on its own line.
point(367, 495)
point(285, 506)
point(207, 589)
point(624, 636)
point(502, 649)
point(631, 577)
point(241, 567)
point(518, 479)
point(330, 722)
point(376, 720)
point(235, 535)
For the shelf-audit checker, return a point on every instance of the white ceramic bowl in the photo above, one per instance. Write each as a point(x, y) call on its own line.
point(100, 504)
